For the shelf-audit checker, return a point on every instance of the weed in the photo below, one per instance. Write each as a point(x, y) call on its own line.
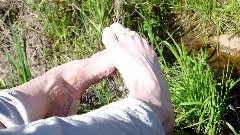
point(19, 62)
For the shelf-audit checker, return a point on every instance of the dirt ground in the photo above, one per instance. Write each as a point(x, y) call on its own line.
point(18, 14)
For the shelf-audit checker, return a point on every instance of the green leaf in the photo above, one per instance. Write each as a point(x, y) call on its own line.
point(191, 103)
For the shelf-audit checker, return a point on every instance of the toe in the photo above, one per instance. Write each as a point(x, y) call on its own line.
point(145, 43)
point(107, 36)
point(120, 32)
point(113, 46)
point(137, 38)
point(117, 27)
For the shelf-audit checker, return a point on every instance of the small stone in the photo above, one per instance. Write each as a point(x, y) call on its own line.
point(228, 52)
point(227, 42)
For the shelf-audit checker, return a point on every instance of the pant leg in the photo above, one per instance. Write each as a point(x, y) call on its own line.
point(13, 109)
point(125, 117)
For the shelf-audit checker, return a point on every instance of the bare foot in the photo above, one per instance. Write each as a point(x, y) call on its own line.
point(58, 91)
point(139, 67)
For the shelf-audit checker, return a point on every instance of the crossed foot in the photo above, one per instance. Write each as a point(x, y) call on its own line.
point(139, 67)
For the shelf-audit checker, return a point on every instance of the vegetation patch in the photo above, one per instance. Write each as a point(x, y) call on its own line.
point(55, 32)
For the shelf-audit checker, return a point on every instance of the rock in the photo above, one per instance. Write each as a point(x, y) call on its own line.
point(225, 49)
point(227, 42)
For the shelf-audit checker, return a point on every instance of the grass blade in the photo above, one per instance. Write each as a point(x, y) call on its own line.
point(232, 129)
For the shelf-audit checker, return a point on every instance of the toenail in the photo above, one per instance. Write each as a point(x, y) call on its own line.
point(127, 30)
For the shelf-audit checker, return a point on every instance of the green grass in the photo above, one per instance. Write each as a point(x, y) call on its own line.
point(199, 101)
point(210, 16)
point(74, 28)
point(99, 95)
point(20, 72)
point(74, 31)
point(3, 84)
point(103, 93)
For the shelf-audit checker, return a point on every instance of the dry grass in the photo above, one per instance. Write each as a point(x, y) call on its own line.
point(17, 14)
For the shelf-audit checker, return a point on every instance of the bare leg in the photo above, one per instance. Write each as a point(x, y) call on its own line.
point(139, 67)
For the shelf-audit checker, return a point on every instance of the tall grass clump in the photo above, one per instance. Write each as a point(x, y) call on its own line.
point(19, 70)
point(198, 102)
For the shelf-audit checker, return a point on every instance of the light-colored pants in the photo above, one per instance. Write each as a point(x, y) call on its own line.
point(125, 117)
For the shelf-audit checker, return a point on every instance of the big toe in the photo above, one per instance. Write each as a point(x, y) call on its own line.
point(107, 36)
point(114, 48)
point(117, 27)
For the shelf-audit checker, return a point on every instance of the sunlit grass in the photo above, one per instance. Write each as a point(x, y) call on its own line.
point(197, 99)
point(74, 28)
point(210, 16)
point(74, 31)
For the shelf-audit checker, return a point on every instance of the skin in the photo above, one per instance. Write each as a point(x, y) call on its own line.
point(139, 67)
point(58, 91)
